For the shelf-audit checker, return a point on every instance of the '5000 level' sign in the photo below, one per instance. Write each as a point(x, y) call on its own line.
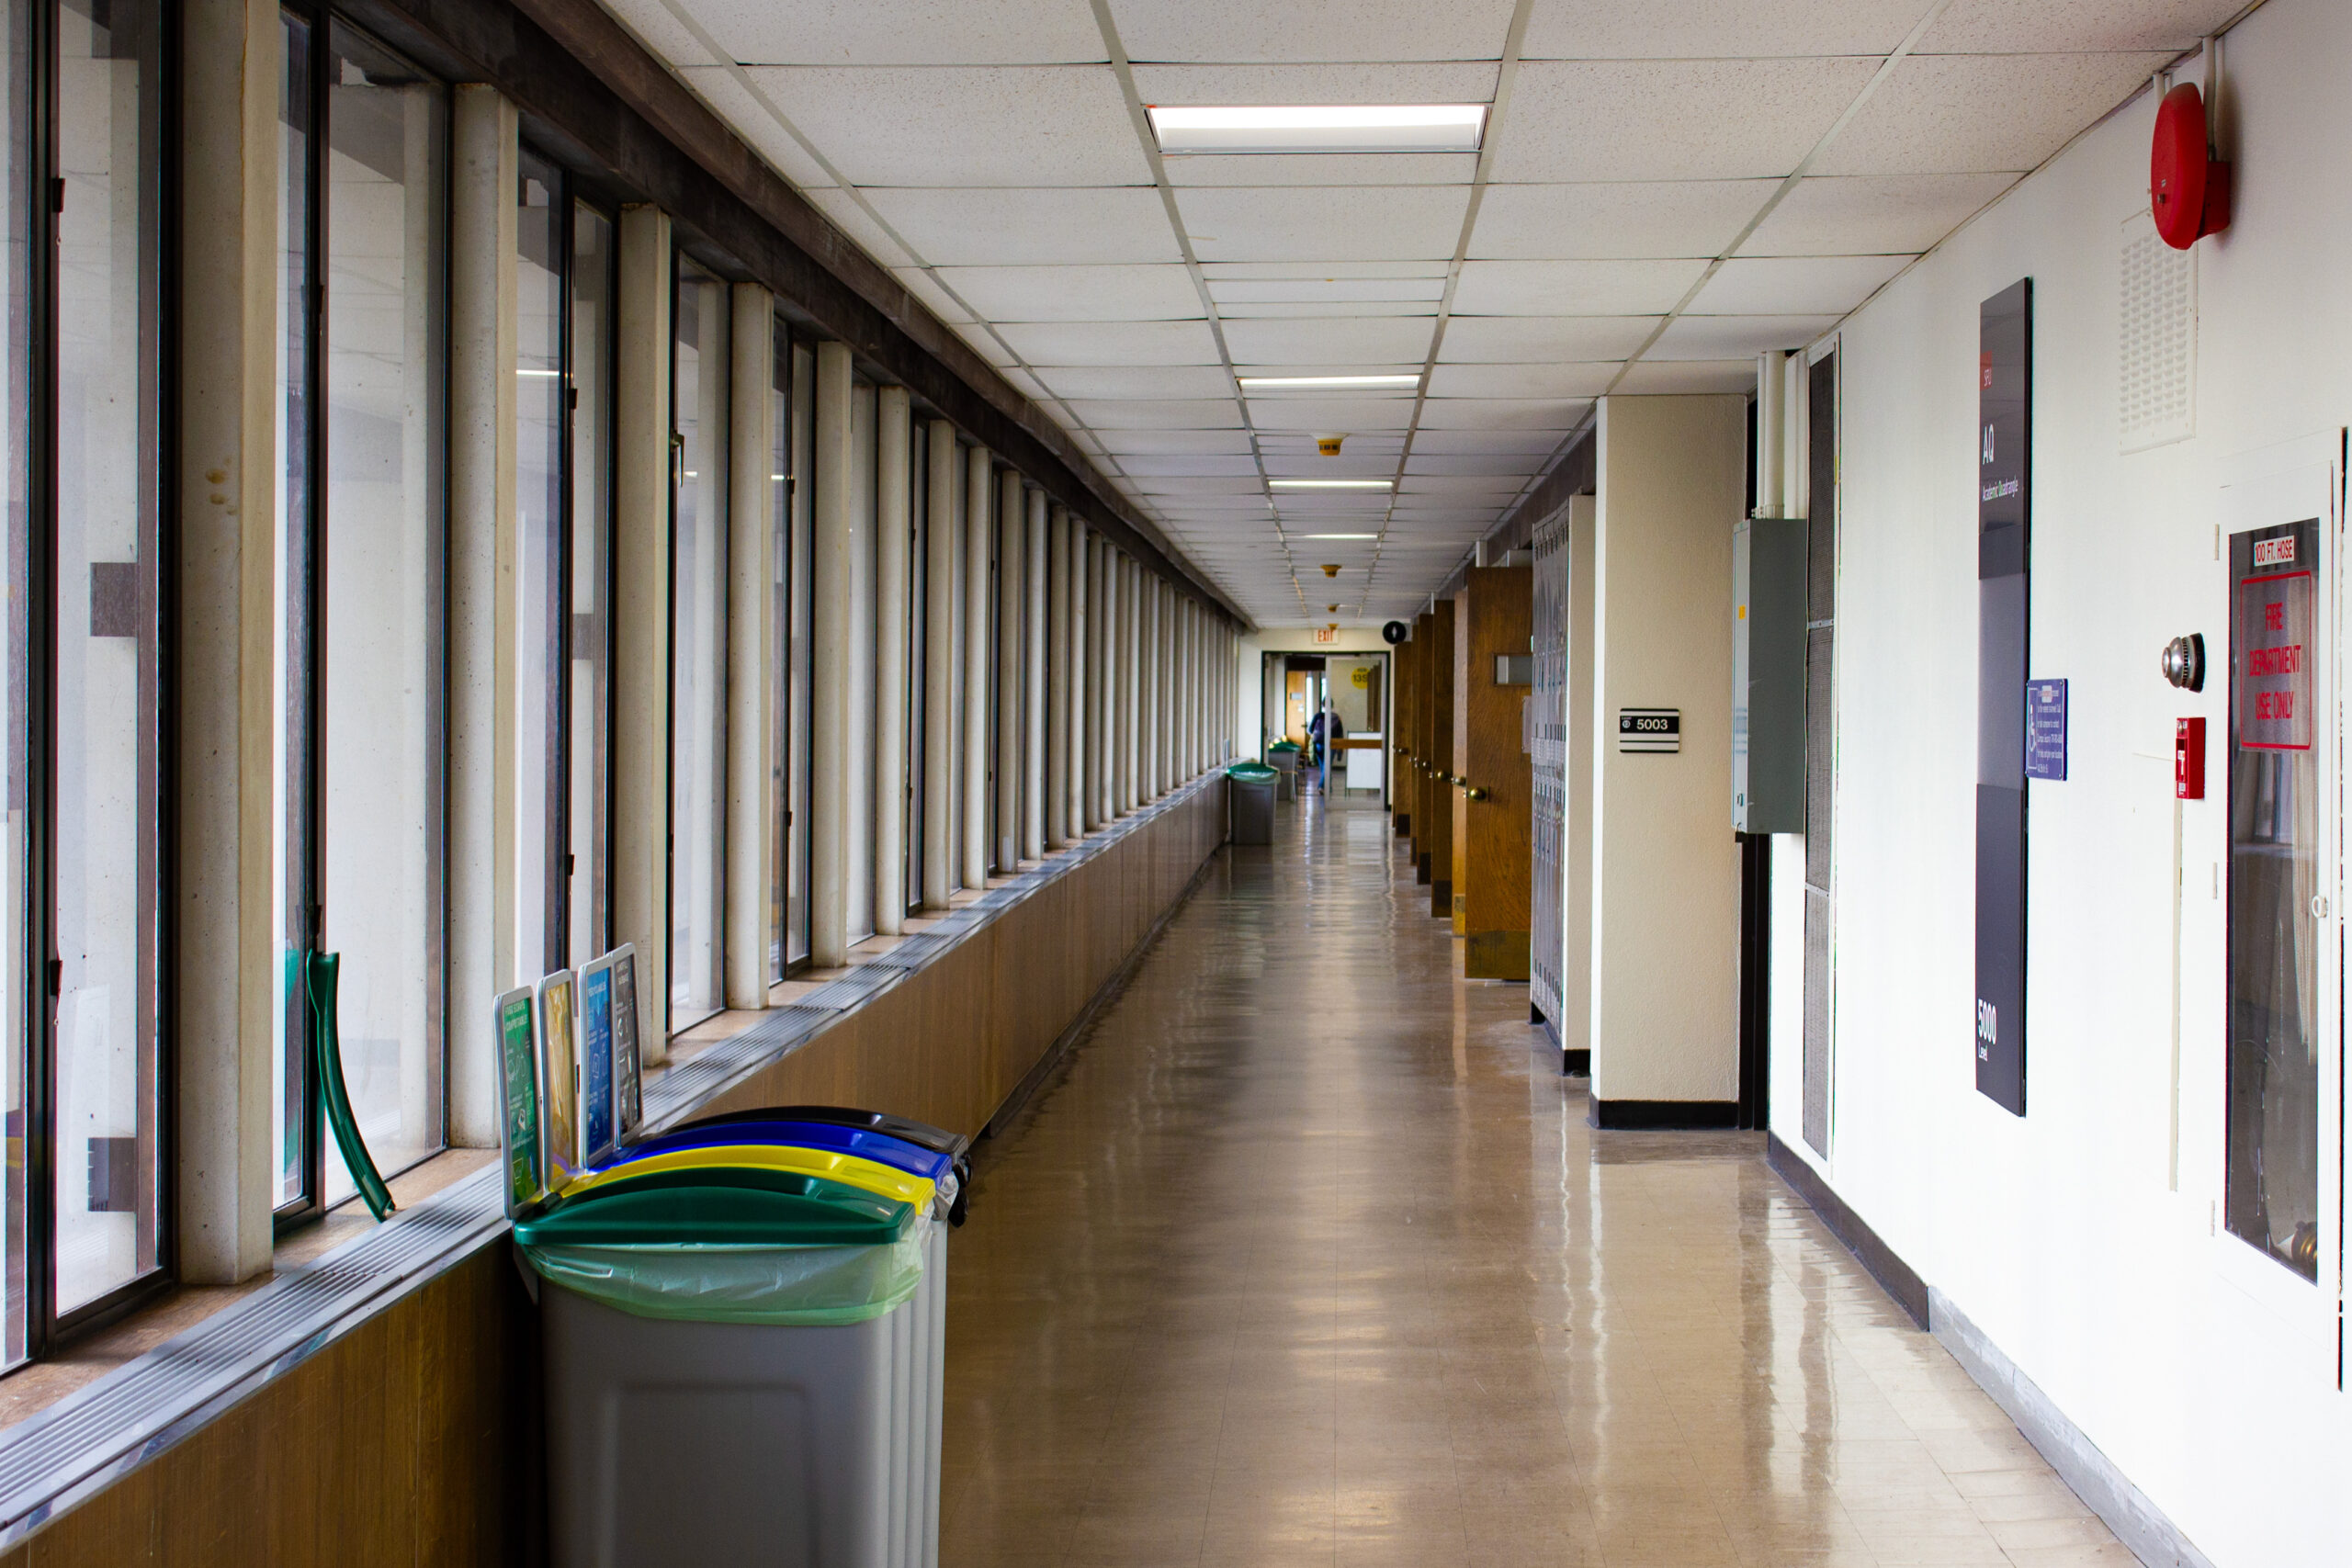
point(1649, 729)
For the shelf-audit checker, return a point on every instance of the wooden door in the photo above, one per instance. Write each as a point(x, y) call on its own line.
point(1437, 734)
point(1499, 820)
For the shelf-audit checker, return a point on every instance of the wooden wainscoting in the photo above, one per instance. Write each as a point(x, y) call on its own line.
point(412, 1440)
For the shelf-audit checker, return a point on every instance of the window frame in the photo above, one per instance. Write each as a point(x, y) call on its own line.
point(316, 316)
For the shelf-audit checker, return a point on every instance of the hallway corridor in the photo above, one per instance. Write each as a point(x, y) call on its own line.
point(1307, 1256)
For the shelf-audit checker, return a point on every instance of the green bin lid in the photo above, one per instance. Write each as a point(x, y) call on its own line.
point(721, 1207)
point(1283, 746)
point(1252, 771)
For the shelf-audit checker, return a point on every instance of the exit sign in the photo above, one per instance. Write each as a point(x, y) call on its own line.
point(1325, 635)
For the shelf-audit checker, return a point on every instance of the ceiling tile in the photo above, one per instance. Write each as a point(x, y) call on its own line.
point(1942, 114)
point(1136, 442)
point(1487, 340)
point(1281, 309)
point(1692, 29)
point(1573, 287)
point(1552, 379)
point(1360, 443)
point(1368, 340)
point(924, 286)
point(1175, 413)
point(1339, 29)
point(982, 341)
point(1300, 223)
point(1502, 413)
point(1308, 465)
point(963, 126)
point(1778, 286)
point(658, 28)
point(719, 87)
point(1322, 414)
point(1112, 343)
point(853, 220)
point(902, 32)
point(1532, 442)
point(1325, 290)
point(1170, 466)
point(1136, 380)
point(2062, 27)
point(1218, 272)
point(1499, 464)
point(1183, 489)
point(1672, 120)
point(1693, 217)
point(1321, 168)
point(1458, 488)
point(1689, 376)
point(1889, 215)
point(1722, 337)
point(1075, 293)
point(1051, 227)
point(1418, 82)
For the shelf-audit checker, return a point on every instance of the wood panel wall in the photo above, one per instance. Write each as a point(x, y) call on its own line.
point(411, 1441)
point(1437, 735)
point(1498, 831)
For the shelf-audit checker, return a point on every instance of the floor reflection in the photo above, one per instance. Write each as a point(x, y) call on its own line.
point(1308, 1256)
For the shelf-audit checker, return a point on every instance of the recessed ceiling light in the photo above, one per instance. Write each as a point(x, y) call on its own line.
point(1319, 128)
point(1339, 535)
point(1286, 383)
point(1332, 484)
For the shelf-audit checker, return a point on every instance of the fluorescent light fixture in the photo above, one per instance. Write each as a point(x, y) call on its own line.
point(1320, 127)
point(1339, 535)
point(1332, 484)
point(1298, 383)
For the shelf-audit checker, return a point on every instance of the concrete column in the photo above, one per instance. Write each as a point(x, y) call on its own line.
point(979, 507)
point(944, 537)
point(1011, 513)
point(1056, 794)
point(485, 617)
point(835, 527)
point(1131, 686)
point(752, 696)
point(1073, 539)
point(1116, 734)
point(1670, 485)
point(1091, 685)
point(1147, 704)
point(640, 746)
point(1187, 690)
point(230, 971)
point(1033, 683)
point(1169, 728)
point(893, 540)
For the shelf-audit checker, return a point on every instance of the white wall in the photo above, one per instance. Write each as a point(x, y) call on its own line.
point(2206, 1373)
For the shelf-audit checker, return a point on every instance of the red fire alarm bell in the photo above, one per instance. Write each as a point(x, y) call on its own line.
point(2188, 193)
point(2189, 759)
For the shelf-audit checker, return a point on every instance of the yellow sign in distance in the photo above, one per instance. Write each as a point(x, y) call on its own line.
point(1360, 677)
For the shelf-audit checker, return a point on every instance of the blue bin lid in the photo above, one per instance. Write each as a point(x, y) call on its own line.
point(879, 1147)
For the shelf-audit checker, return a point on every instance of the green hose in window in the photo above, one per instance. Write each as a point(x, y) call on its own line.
point(320, 970)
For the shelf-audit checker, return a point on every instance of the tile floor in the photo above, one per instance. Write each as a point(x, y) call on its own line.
point(1307, 1257)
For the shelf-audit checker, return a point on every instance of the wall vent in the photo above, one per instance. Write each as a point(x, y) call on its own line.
point(2156, 347)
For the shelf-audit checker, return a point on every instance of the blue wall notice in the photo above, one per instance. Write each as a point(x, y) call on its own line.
point(2045, 729)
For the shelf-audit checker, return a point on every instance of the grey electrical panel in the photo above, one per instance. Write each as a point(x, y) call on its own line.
point(1768, 556)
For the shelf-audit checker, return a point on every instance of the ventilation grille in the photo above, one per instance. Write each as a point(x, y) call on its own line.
point(2156, 347)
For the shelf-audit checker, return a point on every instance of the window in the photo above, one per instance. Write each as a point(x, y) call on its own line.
point(917, 655)
point(563, 449)
point(85, 851)
point(698, 416)
point(361, 563)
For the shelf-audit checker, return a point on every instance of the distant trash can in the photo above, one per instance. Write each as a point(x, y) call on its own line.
point(1251, 792)
point(1282, 757)
point(744, 1337)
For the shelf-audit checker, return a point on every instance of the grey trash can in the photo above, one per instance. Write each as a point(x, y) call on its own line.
point(737, 1375)
point(1282, 757)
point(1251, 792)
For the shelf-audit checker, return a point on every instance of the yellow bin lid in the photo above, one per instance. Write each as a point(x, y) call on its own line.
point(849, 1169)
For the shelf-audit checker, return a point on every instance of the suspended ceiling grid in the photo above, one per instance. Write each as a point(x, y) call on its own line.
point(1664, 190)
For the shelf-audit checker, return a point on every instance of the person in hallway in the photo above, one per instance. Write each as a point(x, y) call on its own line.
point(1323, 729)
